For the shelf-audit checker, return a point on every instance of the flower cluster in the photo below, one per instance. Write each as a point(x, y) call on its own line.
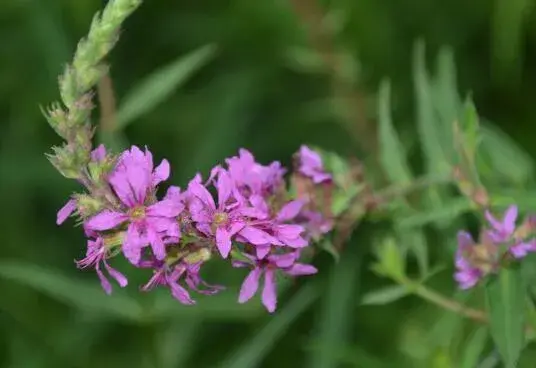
point(499, 241)
point(243, 213)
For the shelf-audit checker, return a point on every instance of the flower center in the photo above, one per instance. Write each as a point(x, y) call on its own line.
point(137, 213)
point(220, 218)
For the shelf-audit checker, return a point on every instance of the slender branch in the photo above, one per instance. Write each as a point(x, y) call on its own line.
point(353, 100)
point(450, 304)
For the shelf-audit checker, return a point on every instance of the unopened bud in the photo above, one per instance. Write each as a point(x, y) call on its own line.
point(87, 205)
point(201, 255)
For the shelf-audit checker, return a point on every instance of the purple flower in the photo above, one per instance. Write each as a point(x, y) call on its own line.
point(268, 267)
point(133, 180)
point(250, 177)
point(503, 230)
point(466, 275)
point(223, 221)
point(95, 255)
point(310, 165)
point(315, 224)
point(66, 211)
point(170, 276)
point(98, 154)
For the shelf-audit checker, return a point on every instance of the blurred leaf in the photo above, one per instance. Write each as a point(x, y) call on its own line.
point(502, 158)
point(415, 241)
point(159, 85)
point(78, 293)
point(338, 309)
point(507, 40)
point(505, 297)
point(253, 351)
point(467, 137)
point(446, 214)
point(431, 132)
point(327, 245)
point(114, 141)
point(392, 155)
point(390, 261)
point(342, 199)
point(305, 60)
point(474, 348)
point(385, 295)
point(176, 342)
point(525, 200)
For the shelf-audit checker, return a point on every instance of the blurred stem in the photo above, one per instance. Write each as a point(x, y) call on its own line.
point(446, 303)
point(107, 104)
point(322, 39)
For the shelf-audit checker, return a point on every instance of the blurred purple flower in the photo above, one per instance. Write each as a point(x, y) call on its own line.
point(502, 231)
point(467, 275)
point(310, 165)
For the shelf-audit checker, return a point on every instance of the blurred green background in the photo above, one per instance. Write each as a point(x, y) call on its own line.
point(259, 84)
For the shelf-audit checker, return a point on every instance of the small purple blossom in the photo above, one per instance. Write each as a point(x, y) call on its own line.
point(502, 231)
point(133, 180)
point(310, 165)
point(268, 266)
point(95, 255)
point(467, 275)
point(66, 211)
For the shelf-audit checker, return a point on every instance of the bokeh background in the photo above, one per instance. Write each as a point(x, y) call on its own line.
point(268, 76)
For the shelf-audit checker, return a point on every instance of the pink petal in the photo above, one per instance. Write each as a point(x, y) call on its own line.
point(269, 296)
point(262, 251)
point(133, 244)
point(290, 210)
point(118, 276)
point(161, 173)
point(66, 211)
point(119, 182)
point(140, 178)
point(300, 269)
point(223, 241)
point(510, 217)
point(181, 294)
point(465, 240)
point(165, 208)
point(99, 153)
point(174, 193)
point(202, 193)
point(104, 281)
point(283, 260)
point(494, 223)
point(224, 188)
point(257, 237)
point(105, 220)
point(250, 285)
point(157, 245)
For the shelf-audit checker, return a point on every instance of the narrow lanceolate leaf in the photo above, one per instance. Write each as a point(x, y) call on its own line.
point(428, 125)
point(386, 295)
point(252, 352)
point(158, 86)
point(474, 348)
point(505, 297)
point(392, 154)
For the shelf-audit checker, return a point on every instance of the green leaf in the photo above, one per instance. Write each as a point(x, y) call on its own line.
point(502, 159)
point(474, 348)
point(385, 295)
point(337, 310)
point(431, 132)
point(445, 214)
point(253, 351)
point(181, 333)
point(392, 154)
point(505, 297)
point(327, 245)
point(159, 85)
point(390, 260)
point(77, 293)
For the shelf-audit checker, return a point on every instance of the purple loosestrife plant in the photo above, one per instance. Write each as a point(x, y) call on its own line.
point(244, 210)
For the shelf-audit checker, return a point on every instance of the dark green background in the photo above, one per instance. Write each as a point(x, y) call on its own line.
point(250, 96)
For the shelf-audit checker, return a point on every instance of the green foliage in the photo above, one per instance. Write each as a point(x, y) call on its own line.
point(505, 297)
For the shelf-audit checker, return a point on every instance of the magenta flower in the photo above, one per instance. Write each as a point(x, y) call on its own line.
point(503, 230)
point(133, 180)
point(250, 177)
point(66, 211)
point(95, 255)
point(315, 224)
point(170, 276)
point(99, 153)
point(268, 267)
point(466, 275)
point(223, 221)
point(310, 165)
